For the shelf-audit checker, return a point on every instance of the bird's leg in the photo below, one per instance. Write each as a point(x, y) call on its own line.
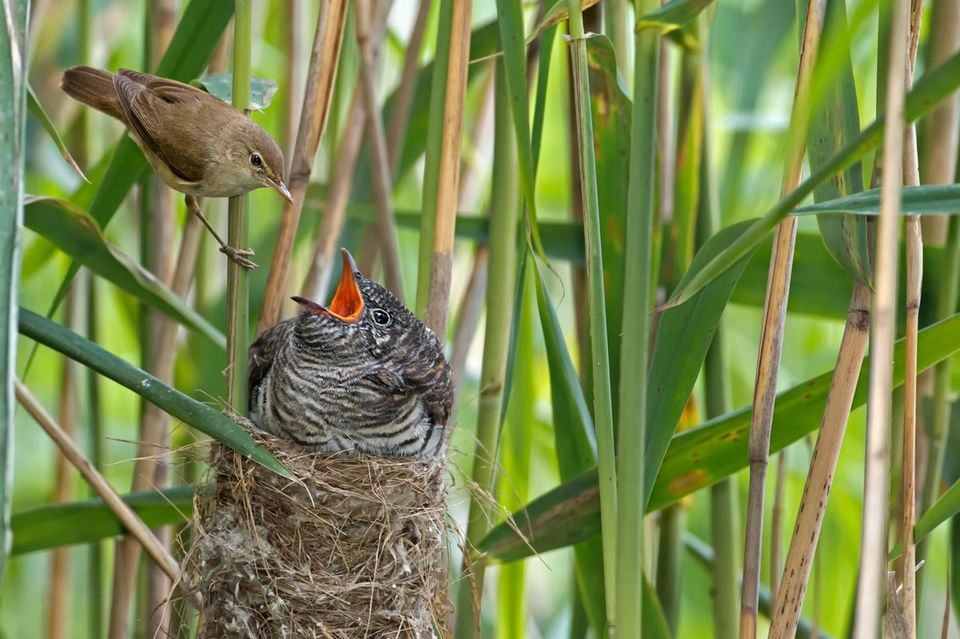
point(237, 255)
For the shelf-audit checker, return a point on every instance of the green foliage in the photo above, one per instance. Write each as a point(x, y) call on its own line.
point(220, 85)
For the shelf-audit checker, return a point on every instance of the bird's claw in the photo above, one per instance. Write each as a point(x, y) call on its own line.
point(239, 256)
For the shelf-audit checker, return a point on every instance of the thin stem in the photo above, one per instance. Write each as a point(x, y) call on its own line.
point(321, 76)
point(774, 317)
point(238, 235)
point(600, 360)
point(504, 207)
point(873, 548)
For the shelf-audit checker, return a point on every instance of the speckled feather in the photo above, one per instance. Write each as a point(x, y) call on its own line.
point(367, 386)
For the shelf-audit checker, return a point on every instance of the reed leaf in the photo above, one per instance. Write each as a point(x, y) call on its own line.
point(697, 458)
point(76, 233)
point(934, 87)
point(927, 199)
point(180, 406)
point(42, 528)
point(13, 88)
point(40, 115)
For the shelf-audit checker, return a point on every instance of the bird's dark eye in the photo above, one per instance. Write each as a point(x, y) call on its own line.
point(256, 160)
point(381, 317)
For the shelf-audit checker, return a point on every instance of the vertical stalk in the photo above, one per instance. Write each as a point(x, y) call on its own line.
point(873, 549)
point(95, 576)
point(238, 301)
point(616, 19)
point(448, 185)
point(600, 360)
point(504, 206)
point(905, 573)
point(432, 161)
point(321, 76)
point(774, 316)
point(397, 126)
point(379, 156)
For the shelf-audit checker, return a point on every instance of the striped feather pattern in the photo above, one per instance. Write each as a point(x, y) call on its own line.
point(367, 386)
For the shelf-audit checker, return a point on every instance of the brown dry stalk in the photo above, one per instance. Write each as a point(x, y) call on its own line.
point(381, 170)
point(943, 123)
point(873, 548)
point(469, 318)
point(441, 263)
point(127, 517)
point(293, 33)
point(155, 425)
point(63, 485)
point(341, 181)
point(823, 464)
point(321, 75)
point(338, 196)
point(905, 573)
point(776, 523)
point(403, 100)
point(771, 338)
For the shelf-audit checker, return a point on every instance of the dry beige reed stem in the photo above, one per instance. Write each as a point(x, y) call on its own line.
point(381, 170)
point(441, 263)
point(127, 517)
point(403, 102)
point(803, 545)
point(354, 546)
point(774, 315)
point(155, 424)
point(321, 75)
point(873, 548)
point(906, 577)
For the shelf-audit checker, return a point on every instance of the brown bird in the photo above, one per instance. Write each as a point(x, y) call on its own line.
point(197, 144)
point(362, 375)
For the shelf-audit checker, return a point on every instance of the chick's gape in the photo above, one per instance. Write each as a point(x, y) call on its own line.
point(363, 375)
point(197, 144)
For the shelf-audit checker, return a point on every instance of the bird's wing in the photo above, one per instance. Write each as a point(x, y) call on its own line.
point(433, 381)
point(262, 353)
point(157, 110)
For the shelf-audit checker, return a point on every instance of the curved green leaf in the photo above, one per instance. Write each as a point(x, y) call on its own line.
point(76, 233)
point(927, 199)
point(41, 116)
point(929, 91)
point(186, 409)
point(570, 513)
point(672, 15)
point(80, 522)
point(13, 85)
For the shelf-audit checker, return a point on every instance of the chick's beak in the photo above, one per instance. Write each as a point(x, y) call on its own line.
point(347, 303)
point(281, 188)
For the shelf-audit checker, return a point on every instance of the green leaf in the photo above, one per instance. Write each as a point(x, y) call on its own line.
point(928, 199)
point(836, 120)
point(81, 522)
point(13, 88)
point(672, 15)
point(186, 409)
point(36, 109)
point(76, 233)
point(688, 329)
point(697, 458)
point(510, 21)
point(220, 85)
point(929, 91)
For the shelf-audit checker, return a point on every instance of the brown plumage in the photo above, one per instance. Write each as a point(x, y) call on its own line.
point(197, 144)
point(362, 375)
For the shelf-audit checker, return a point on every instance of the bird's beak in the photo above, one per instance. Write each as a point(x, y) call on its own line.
point(281, 188)
point(347, 303)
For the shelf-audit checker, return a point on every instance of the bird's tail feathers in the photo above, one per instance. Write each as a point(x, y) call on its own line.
point(93, 87)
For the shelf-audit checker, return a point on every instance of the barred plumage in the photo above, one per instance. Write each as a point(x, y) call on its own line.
point(364, 375)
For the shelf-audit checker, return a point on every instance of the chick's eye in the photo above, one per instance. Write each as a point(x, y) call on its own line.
point(381, 317)
point(256, 160)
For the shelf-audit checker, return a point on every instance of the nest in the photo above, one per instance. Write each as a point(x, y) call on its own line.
point(353, 547)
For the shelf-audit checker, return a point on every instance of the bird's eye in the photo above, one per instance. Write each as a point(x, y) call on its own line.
point(256, 160)
point(381, 317)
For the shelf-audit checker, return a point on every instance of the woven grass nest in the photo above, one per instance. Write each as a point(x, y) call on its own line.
point(353, 547)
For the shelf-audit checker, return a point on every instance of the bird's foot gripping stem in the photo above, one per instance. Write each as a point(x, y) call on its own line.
point(239, 255)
